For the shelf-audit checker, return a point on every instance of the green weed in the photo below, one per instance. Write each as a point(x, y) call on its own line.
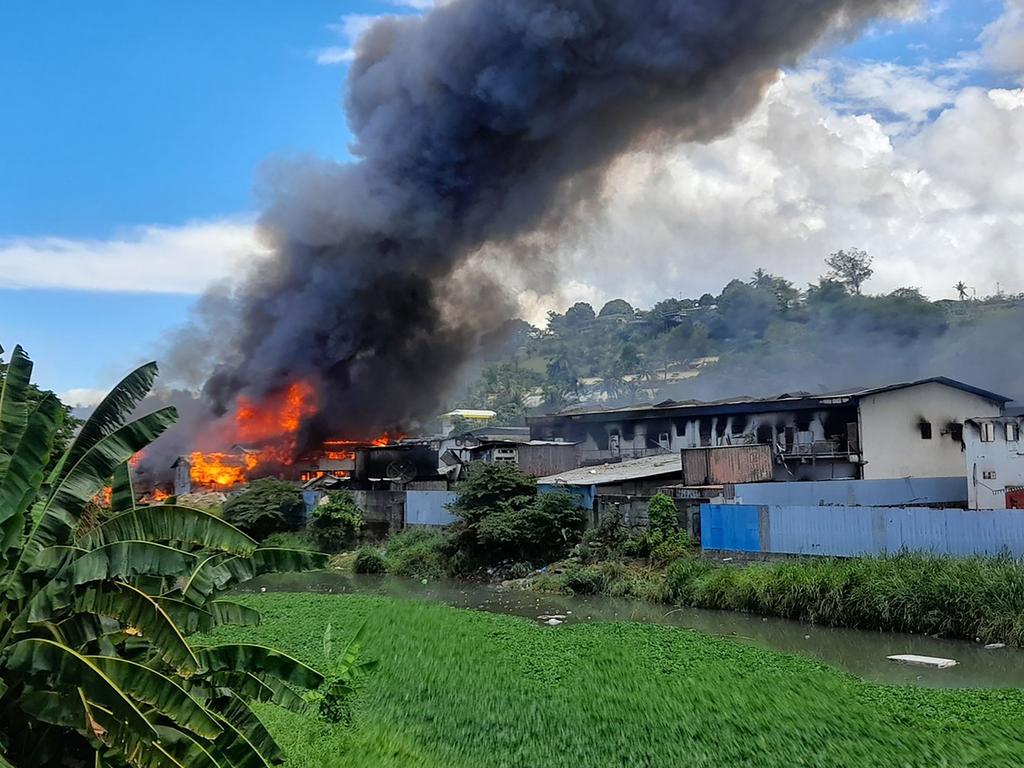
point(466, 689)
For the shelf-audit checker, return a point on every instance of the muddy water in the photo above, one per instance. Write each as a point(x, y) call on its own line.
point(857, 652)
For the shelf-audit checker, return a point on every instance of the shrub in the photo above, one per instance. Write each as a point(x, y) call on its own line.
point(266, 506)
point(661, 515)
point(675, 546)
point(501, 517)
point(682, 576)
point(290, 540)
point(369, 560)
point(589, 580)
point(336, 522)
point(418, 553)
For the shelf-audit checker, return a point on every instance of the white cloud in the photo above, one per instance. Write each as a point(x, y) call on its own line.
point(1003, 40)
point(353, 25)
point(907, 95)
point(334, 55)
point(349, 30)
point(82, 397)
point(151, 259)
point(941, 202)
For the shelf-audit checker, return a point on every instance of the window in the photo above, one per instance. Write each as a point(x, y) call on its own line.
point(988, 474)
point(926, 430)
point(988, 432)
point(664, 440)
point(1012, 432)
point(956, 431)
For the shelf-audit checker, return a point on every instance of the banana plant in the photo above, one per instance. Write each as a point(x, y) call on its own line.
point(96, 665)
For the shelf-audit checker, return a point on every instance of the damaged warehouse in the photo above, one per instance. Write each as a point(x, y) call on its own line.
point(899, 430)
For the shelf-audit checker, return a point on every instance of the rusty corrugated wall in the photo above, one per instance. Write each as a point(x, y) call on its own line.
point(547, 460)
point(727, 464)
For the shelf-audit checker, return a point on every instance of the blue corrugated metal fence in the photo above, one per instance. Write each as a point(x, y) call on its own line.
point(863, 493)
point(847, 531)
point(428, 507)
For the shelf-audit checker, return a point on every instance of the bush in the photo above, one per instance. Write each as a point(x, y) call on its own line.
point(266, 506)
point(675, 546)
point(418, 553)
point(682, 576)
point(662, 516)
point(336, 522)
point(501, 517)
point(290, 540)
point(369, 560)
point(590, 580)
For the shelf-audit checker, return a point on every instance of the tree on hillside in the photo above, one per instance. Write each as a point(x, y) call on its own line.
point(909, 293)
point(744, 309)
point(617, 307)
point(761, 278)
point(850, 267)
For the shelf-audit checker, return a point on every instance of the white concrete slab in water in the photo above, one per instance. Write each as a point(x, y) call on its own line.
point(914, 660)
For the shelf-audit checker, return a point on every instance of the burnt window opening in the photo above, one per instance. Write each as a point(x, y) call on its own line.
point(956, 431)
point(1012, 432)
point(926, 430)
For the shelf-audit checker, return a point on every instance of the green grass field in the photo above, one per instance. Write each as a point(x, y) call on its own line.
point(463, 689)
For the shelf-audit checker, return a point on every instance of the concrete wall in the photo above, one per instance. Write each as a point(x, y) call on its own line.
point(853, 531)
point(918, 491)
point(993, 467)
point(632, 510)
point(890, 434)
point(383, 511)
point(429, 507)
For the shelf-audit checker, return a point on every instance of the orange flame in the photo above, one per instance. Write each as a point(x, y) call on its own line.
point(160, 495)
point(268, 430)
point(222, 470)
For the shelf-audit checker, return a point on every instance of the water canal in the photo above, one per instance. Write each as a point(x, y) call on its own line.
point(861, 653)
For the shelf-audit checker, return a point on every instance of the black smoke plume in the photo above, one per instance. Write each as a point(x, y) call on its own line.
point(480, 128)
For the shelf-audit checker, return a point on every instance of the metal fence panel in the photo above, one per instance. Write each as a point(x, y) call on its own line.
point(734, 527)
point(850, 531)
point(865, 493)
point(428, 507)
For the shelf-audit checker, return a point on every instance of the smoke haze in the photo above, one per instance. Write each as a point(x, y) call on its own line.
point(483, 130)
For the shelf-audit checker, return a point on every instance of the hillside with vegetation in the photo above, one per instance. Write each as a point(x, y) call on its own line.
point(759, 336)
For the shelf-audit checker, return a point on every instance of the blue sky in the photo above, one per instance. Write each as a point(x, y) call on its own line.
point(144, 115)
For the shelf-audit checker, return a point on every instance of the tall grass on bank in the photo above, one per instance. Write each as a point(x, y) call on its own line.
point(464, 689)
point(970, 598)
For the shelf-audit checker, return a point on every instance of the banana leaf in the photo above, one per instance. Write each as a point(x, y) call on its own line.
point(21, 479)
point(267, 661)
point(170, 523)
point(160, 692)
point(67, 668)
point(138, 612)
point(112, 411)
point(122, 489)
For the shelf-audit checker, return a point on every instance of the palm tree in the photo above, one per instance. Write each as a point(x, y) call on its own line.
point(961, 289)
point(761, 278)
point(95, 667)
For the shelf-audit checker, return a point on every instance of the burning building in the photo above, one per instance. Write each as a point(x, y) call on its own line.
point(483, 130)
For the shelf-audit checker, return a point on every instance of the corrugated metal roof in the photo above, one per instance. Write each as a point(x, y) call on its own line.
point(788, 398)
point(635, 469)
